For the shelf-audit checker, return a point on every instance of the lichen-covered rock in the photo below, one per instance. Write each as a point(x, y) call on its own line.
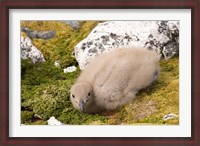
point(159, 36)
point(39, 34)
point(29, 51)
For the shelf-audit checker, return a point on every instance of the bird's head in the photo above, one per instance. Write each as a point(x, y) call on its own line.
point(81, 95)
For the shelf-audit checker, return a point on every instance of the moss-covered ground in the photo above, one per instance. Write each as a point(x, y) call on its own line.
point(45, 88)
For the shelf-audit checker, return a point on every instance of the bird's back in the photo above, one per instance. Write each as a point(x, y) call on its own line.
point(123, 71)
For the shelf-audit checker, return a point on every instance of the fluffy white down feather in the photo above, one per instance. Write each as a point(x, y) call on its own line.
point(113, 78)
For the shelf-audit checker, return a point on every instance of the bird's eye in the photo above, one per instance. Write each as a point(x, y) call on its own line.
point(73, 96)
point(89, 94)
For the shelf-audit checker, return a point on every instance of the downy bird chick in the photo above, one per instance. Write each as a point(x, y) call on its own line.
point(113, 78)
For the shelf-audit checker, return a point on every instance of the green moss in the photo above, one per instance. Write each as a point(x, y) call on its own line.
point(45, 88)
point(26, 116)
point(72, 116)
point(38, 122)
point(39, 73)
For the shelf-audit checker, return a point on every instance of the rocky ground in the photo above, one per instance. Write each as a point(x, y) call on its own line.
point(48, 52)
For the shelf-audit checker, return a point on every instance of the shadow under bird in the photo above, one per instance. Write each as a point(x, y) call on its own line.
point(113, 78)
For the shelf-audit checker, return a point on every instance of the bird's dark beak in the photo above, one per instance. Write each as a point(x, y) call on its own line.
point(82, 105)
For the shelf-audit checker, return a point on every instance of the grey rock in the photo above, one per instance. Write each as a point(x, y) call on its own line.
point(170, 49)
point(159, 36)
point(39, 34)
point(73, 23)
point(46, 35)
